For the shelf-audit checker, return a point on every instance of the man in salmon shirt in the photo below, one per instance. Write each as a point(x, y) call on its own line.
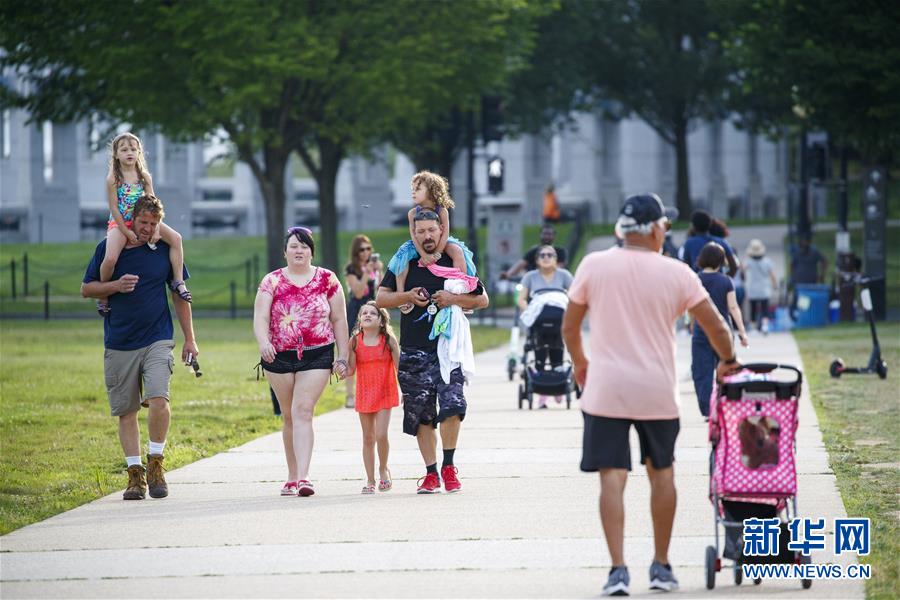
point(633, 295)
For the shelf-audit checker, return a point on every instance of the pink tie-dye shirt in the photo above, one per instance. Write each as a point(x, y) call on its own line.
point(299, 317)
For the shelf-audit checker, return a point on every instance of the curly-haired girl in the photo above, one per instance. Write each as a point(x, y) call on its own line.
point(430, 192)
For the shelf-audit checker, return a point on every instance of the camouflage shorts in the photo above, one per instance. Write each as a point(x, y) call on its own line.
point(426, 398)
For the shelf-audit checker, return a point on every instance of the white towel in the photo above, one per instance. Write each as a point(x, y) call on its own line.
point(456, 351)
point(537, 304)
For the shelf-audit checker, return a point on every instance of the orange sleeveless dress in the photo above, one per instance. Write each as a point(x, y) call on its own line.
point(376, 382)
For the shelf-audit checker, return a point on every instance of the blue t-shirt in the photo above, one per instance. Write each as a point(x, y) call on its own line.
point(718, 285)
point(141, 317)
point(693, 245)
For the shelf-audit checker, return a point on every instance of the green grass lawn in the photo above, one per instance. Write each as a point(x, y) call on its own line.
point(59, 444)
point(859, 416)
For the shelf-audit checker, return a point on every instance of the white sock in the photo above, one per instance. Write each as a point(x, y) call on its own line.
point(157, 447)
point(133, 460)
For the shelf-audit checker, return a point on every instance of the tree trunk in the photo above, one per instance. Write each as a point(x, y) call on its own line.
point(270, 177)
point(330, 155)
point(683, 183)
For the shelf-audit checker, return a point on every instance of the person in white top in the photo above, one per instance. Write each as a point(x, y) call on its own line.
point(634, 294)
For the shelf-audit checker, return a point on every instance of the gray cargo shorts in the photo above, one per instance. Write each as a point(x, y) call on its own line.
point(135, 376)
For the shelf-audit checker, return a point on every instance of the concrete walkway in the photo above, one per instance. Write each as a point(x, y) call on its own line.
point(524, 525)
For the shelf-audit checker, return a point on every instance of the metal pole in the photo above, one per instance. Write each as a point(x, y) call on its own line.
point(25, 274)
point(804, 227)
point(233, 286)
point(843, 204)
point(470, 176)
point(12, 266)
point(46, 300)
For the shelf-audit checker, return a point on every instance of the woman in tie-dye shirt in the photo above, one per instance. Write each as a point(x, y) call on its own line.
point(298, 319)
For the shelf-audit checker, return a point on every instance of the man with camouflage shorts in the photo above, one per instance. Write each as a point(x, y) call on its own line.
point(137, 337)
point(427, 399)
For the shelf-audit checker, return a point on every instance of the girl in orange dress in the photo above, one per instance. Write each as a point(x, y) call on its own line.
point(374, 356)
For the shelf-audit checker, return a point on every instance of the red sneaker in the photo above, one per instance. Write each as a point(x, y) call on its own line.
point(430, 484)
point(451, 482)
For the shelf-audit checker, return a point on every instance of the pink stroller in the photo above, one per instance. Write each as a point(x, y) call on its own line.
point(752, 471)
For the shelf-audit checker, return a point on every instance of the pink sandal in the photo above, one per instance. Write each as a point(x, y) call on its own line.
point(289, 489)
point(368, 489)
point(385, 484)
point(305, 488)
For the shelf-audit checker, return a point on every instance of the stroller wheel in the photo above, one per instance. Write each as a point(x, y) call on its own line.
point(881, 369)
point(738, 573)
point(757, 581)
point(521, 395)
point(710, 567)
point(836, 367)
point(568, 400)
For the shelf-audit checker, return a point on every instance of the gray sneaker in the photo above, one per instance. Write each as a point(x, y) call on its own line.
point(617, 584)
point(661, 577)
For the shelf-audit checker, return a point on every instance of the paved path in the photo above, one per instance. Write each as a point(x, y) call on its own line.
point(524, 525)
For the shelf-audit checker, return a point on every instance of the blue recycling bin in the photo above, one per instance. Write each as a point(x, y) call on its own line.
point(812, 304)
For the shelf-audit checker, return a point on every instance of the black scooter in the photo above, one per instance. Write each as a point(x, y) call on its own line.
point(876, 363)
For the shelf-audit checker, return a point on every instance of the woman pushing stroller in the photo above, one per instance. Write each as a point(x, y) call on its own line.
point(545, 315)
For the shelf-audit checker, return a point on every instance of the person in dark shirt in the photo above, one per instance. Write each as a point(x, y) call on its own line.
point(721, 291)
point(699, 237)
point(807, 266)
point(529, 261)
point(428, 401)
point(137, 337)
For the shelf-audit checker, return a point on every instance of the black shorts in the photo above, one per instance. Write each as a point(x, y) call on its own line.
point(313, 358)
point(606, 444)
point(427, 400)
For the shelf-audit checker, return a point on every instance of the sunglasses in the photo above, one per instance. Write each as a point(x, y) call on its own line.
point(297, 229)
point(366, 249)
point(546, 255)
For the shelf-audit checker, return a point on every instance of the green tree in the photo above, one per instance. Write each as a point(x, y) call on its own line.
point(661, 61)
point(319, 78)
point(832, 63)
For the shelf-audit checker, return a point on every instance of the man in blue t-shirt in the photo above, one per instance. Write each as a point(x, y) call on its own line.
point(699, 237)
point(137, 336)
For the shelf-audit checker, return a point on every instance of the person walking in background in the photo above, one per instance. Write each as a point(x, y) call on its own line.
point(718, 228)
point(551, 205)
point(429, 400)
point(698, 236)
point(807, 266)
point(759, 278)
point(529, 261)
point(721, 291)
point(430, 192)
point(548, 276)
point(137, 336)
point(633, 295)
point(128, 179)
point(299, 316)
point(362, 274)
point(374, 357)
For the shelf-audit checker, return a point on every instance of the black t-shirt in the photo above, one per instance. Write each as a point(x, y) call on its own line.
point(370, 294)
point(413, 331)
point(531, 256)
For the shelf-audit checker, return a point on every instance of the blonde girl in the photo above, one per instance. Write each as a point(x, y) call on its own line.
point(128, 179)
point(431, 192)
point(374, 357)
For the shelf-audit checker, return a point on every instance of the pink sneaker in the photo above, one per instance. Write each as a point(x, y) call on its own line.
point(451, 482)
point(289, 489)
point(430, 484)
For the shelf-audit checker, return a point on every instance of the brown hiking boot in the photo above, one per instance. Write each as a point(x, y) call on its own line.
point(137, 483)
point(155, 478)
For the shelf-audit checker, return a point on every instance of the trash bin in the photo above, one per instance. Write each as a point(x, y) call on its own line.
point(812, 304)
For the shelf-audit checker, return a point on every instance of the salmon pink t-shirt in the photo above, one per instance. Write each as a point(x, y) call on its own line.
point(301, 315)
point(633, 297)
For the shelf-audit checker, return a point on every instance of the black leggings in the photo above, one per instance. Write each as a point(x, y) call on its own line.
point(540, 357)
point(758, 310)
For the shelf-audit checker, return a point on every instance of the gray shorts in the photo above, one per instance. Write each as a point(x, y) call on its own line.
point(135, 376)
